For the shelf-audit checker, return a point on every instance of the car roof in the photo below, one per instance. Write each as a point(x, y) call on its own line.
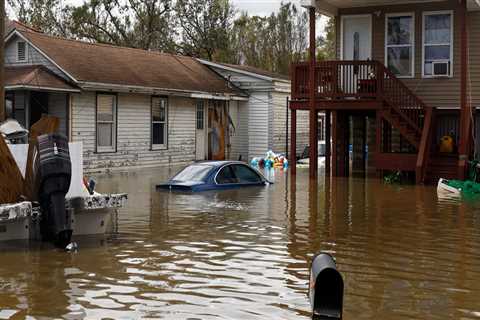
point(217, 164)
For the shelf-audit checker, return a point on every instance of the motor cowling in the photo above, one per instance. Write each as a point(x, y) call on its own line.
point(53, 172)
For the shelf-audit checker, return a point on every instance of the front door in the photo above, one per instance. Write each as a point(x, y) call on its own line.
point(201, 132)
point(357, 37)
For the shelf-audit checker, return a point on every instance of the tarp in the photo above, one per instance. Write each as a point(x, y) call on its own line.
point(77, 188)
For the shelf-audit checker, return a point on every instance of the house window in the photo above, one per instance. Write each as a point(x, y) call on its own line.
point(200, 115)
point(21, 51)
point(399, 51)
point(159, 122)
point(106, 122)
point(437, 44)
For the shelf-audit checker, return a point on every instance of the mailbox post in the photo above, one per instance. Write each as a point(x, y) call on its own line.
point(326, 288)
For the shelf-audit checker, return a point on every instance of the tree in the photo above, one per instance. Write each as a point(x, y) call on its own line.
point(131, 23)
point(204, 27)
point(45, 15)
point(327, 44)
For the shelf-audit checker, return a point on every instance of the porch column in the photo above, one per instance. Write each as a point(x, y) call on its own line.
point(311, 91)
point(293, 142)
point(465, 108)
point(328, 145)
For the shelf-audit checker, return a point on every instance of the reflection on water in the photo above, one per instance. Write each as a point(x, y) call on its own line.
point(244, 254)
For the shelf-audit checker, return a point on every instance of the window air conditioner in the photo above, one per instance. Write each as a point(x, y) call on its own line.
point(307, 3)
point(441, 68)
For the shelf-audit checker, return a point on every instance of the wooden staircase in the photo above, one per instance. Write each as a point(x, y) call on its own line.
point(407, 113)
point(444, 166)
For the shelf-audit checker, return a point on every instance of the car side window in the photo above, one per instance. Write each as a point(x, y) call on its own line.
point(246, 175)
point(226, 176)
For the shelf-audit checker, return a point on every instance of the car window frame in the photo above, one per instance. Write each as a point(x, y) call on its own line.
point(262, 179)
point(252, 170)
point(218, 172)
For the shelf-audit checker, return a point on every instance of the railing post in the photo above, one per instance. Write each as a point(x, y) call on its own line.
point(380, 77)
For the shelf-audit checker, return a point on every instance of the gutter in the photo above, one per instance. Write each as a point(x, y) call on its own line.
point(98, 86)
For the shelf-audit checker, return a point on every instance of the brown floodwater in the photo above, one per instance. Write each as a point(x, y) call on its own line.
point(244, 254)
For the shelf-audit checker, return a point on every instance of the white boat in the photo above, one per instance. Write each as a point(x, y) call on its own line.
point(91, 213)
point(443, 189)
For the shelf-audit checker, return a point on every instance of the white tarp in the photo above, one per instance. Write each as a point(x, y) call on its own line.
point(19, 153)
point(77, 188)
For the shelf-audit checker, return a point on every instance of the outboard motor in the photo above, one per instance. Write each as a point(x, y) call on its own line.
point(326, 288)
point(53, 172)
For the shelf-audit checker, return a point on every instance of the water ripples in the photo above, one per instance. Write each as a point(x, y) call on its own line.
point(244, 254)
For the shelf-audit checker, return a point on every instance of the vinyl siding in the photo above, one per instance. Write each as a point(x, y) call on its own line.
point(258, 124)
point(133, 133)
point(474, 54)
point(57, 107)
point(239, 138)
point(440, 93)
point(34, 57)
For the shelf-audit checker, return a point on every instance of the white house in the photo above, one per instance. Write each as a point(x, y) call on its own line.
point(133, 108)
point(261, 122)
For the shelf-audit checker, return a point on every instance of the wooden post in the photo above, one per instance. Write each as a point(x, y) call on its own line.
point(293, 142)
point(378, 139)
point(334, 150)
point(465, 110)
point(3, 113)
point(328, 143)
point(312, 91)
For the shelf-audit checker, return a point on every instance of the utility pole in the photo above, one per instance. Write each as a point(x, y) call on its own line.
point(3, 113)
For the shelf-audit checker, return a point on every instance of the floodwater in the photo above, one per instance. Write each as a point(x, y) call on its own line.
point(244, 254)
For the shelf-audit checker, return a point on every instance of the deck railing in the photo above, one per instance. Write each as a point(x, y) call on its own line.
point(358, 80)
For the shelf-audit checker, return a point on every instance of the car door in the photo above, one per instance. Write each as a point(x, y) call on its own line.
point(246, 176)
point(226, 178)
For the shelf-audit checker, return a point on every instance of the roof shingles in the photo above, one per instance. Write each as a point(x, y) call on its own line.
point(106, 64)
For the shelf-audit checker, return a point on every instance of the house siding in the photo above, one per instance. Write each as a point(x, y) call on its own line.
point(258, 124)
point(133, 133)
point(440, 93)
point(239, 138)
point(57, 107)
point(474, 55)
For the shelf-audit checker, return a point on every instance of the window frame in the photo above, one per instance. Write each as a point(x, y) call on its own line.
point(451, 44)
point(163, 146)
point(412, 45)
point(231, 165)
point(199, 104)
point(26, 52)
point(113, 148)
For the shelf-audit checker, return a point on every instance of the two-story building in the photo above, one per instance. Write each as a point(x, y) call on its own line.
point(407, 73)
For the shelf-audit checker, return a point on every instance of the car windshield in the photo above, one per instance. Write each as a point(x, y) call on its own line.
point(193, 173)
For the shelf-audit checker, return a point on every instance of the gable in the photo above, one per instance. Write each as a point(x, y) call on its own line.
point(33, 56)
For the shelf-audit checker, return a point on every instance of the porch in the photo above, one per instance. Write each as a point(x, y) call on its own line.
point(380, 77)
point(33, 91)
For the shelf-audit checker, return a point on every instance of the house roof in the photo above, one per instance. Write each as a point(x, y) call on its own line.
point(252, 71)
point(259, 71)
point(110, 65)
point(35, 77)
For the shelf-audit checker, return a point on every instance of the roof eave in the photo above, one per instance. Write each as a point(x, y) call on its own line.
point(123, 88)
point(251, 74)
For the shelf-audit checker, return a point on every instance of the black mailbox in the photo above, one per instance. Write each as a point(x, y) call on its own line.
point(326, 288)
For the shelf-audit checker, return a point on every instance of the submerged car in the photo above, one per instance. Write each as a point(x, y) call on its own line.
point(215, 175)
